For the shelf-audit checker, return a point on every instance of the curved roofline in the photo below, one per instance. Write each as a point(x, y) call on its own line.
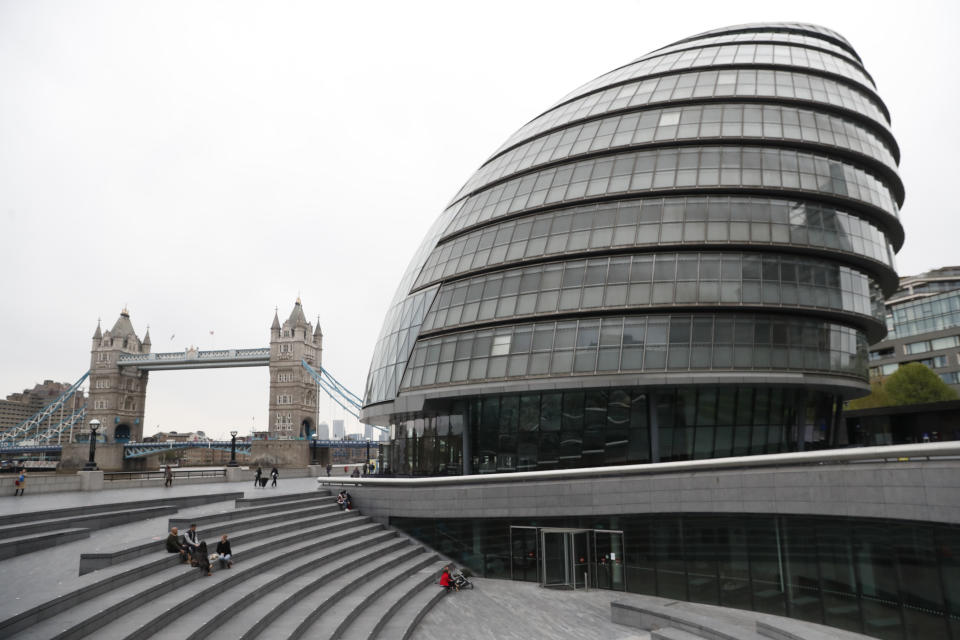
point(814, 30)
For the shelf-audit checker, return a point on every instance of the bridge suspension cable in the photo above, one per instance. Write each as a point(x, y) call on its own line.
point(348, 401)
point(34, 424)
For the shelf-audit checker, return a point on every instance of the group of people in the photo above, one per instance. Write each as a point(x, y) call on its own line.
point(260, 481)
point(344, 500)
point(194, 550)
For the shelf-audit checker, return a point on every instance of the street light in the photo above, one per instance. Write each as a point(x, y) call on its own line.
point(233, 449)
point(313, 457)
point(367, 461)
point(91, 463)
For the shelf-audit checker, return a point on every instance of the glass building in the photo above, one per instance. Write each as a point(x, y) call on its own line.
point(683, 258)
point(923, 325)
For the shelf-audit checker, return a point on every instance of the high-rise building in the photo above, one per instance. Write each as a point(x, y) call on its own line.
point(18, 407)
point(369, 432)
point(923, 325)
point(323, 431)
point(338, 430)
point(683, 258)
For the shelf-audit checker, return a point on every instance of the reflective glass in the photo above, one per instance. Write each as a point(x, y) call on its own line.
point(644, 343)
point(932, 313)
point(700, 220)
point(636, 282)
point(706, 84)
point(762, 36)
point(684, 168)
point(747, 53)
point(401, 326)
point(685, 123)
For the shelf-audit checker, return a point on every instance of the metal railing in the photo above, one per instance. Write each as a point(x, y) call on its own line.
point(157, 475)
point(859, 455)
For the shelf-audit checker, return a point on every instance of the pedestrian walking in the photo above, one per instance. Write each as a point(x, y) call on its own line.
point(21, 482)
point(256, 478)
point(274, 474)
point(168, 477)
point(329, 469)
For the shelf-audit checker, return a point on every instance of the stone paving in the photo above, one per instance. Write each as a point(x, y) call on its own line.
point(506, 610)
point(41, 575)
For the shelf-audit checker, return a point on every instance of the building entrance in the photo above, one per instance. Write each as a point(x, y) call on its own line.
point(563, 558)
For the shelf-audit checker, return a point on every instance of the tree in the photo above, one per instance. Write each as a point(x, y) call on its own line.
point(877, 398)
point(914, 383)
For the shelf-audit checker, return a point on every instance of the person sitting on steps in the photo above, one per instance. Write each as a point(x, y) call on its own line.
point(223, 550)
point(192, 541)
point(175, 546)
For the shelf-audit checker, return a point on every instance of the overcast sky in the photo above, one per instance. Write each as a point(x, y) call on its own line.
point(205, 162)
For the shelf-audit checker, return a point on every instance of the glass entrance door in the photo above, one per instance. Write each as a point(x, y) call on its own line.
point(524, 554)
point(565, 558)
point(608, 562)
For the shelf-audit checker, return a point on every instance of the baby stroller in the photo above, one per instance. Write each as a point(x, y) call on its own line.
point(459, 581)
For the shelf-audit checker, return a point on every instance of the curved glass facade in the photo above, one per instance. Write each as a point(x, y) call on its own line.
point(683, 258)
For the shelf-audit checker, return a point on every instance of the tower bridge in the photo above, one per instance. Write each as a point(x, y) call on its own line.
point(120, 366)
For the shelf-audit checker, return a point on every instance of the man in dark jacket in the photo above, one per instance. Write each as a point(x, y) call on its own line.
point(192, 540)
point(174, 546)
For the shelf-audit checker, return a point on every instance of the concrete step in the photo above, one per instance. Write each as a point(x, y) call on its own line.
point(220, 601)
point(121, 591)
point(369, 604)
point(243, 503)
point(671, 633)
point(228, 515)
point(405, 618)
point(181, 502)
point(96, 521)
point(240, 531)
point(336, 620)
point(369, 626)
point(40, 541)
point(248, 617)
point(309, 606)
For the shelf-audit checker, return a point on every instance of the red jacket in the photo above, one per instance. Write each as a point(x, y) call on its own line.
point(445, 579)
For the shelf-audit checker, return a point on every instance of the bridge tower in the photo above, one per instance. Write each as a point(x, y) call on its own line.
point(117, 394)
point(293, 393)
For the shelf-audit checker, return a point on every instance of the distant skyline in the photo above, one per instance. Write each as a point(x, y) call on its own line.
point(203, 163)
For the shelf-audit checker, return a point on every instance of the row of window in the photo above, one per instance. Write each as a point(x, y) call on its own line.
point(931, 345)
point(731, 54)
point(951, 377)
point(651, 280)
point(764, 36)
point(651, 343)
point(660, 222)
point(688, 167)
point(933, 313)
point(761, 83)
point(686, 123)
point(934, 362)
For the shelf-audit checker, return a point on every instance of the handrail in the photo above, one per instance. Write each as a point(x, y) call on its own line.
point(889, 453)
point(152, 475)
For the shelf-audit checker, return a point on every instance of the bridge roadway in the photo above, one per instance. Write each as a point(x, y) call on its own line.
point(143, 449)
point(196, 359)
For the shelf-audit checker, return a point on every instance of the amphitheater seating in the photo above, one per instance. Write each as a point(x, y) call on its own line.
point(36, 530)
point(303, 568)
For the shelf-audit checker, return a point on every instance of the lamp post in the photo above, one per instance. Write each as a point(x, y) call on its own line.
point(92, 463)
point(233, 449)
point(313, 456)
point(367, 461)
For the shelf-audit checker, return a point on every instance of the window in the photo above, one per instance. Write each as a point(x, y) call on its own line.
point(286, 348)
point(945, 343)
point(103, 357)
point(879, 354)
point(284, 399)
point(917, 347)
point(951, 377)
point(284, 376)
point(100, 404)
point(102, 383)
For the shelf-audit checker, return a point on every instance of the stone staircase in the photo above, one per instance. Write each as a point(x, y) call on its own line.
point(302, 568)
